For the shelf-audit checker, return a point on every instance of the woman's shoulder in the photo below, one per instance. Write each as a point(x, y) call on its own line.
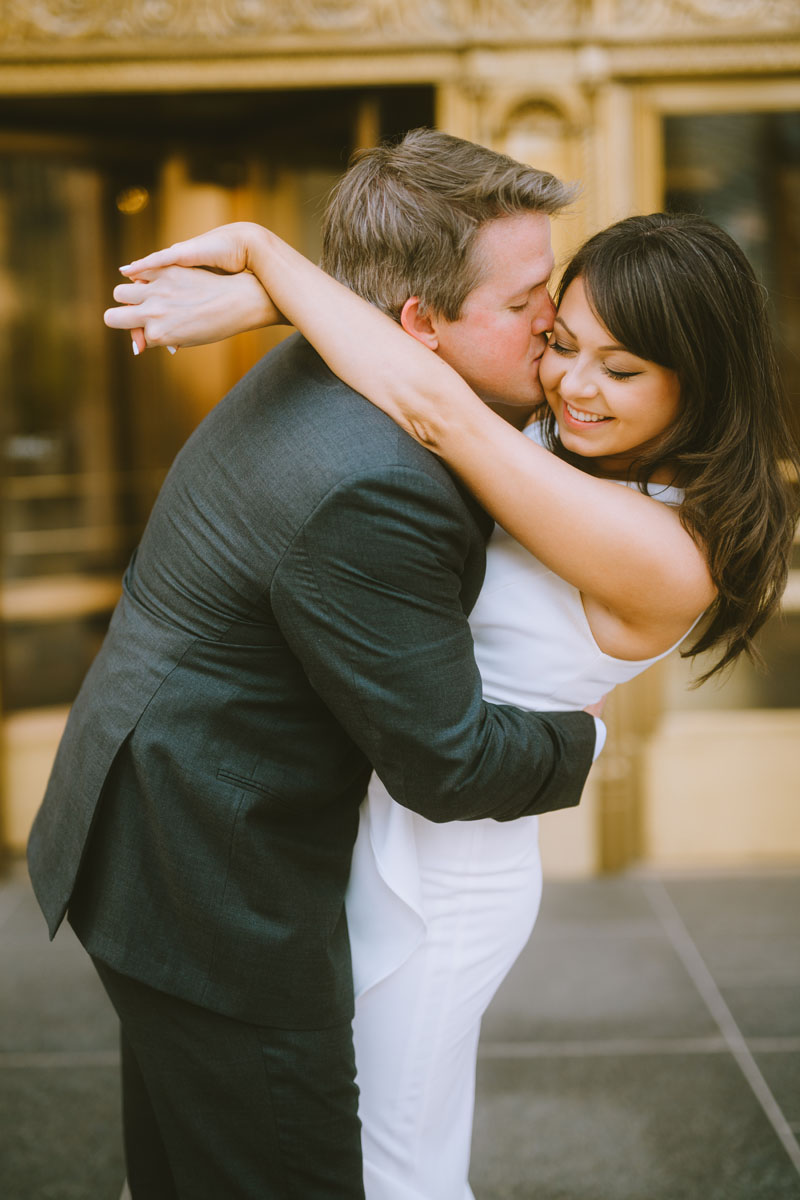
point(535, 431)
point(664, 492)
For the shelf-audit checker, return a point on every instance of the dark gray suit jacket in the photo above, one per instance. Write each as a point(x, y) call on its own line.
point(294, 613)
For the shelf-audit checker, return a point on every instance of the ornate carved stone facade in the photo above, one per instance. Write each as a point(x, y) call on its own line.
point(415, 22)
point(58, 25)
point(723, 16)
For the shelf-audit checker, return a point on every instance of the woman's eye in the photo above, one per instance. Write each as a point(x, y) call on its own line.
point(559, 347)
point(620, 374)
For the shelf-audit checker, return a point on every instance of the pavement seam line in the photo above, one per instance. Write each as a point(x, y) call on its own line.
point(599, 1048)
point(684, 946)
point(529, 1048)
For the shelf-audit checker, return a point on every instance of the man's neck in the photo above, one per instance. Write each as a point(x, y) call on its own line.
point(516, 415)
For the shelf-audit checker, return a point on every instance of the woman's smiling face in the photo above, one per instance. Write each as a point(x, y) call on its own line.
point(609, 404)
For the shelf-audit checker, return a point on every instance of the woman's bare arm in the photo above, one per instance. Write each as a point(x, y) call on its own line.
point(635, 564)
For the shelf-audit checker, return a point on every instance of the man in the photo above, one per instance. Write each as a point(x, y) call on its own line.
point(294, 615)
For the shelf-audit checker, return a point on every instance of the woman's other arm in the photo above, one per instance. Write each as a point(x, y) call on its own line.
point(187, 306)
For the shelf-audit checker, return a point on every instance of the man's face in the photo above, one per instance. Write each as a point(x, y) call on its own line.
point(496, 343)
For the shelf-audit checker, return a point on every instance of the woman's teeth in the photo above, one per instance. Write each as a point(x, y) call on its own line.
point(587, 418)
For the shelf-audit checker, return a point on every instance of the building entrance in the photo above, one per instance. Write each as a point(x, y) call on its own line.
point(86, 434)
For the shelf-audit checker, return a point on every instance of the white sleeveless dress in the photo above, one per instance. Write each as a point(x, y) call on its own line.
point(438, 913)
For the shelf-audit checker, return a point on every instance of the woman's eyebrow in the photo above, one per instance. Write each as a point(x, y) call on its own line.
point(612, 346)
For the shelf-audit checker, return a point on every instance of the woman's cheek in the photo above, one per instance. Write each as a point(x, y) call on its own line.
point(548, 371)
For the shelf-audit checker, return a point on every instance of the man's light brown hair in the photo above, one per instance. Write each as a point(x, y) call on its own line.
point(403, 219)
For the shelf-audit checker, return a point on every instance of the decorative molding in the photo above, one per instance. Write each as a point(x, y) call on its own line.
point(46, 25)
point(415, 21)
point(121, 28)
point(555, 115)
point(700, 59)
point(536, 19)
point(724, 15)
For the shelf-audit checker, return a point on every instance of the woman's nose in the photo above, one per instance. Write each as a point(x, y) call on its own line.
point(577, 381)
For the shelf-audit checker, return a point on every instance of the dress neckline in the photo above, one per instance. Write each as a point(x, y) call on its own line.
point(664, 492)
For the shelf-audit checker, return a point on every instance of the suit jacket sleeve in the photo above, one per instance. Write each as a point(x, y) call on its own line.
point(368, 596)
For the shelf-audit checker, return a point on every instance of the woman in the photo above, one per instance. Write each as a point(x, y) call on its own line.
point(647, 496)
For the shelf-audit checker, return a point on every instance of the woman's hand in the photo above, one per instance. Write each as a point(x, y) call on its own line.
point(598, 708)
point(192, 309)
point(227, 248)
point(183, 306)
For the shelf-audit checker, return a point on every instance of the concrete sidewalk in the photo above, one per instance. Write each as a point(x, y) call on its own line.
point(645, 1047)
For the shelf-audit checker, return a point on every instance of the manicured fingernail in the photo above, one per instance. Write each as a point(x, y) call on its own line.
point(125, 269)
point(172, 349)
point(135, 348)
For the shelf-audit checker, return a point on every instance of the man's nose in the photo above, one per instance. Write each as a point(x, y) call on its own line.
point(545, 314)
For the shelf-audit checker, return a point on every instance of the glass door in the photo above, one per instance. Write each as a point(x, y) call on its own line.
point(722, 764)
point(86, 432)
point(742, 170)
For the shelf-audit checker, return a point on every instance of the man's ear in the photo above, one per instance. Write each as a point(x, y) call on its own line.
point(416, 321)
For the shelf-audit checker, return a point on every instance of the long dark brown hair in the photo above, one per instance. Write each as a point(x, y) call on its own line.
point(676, 290)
